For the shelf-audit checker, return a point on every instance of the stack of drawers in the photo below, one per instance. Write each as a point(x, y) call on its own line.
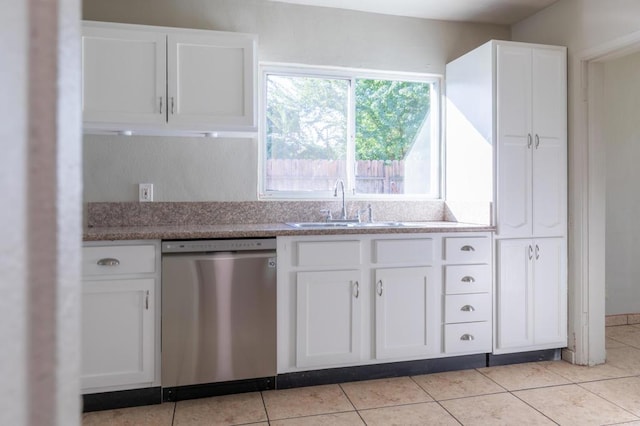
point(467, 300)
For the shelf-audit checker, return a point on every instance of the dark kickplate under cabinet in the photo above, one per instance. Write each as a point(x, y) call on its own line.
point(180, 393)
point(121, 399)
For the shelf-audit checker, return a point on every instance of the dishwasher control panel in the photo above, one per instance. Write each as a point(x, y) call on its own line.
point(190, 246)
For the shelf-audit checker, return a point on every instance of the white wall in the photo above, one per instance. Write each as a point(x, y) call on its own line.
point(226, 170)
point(583, 26)
point(622, 136)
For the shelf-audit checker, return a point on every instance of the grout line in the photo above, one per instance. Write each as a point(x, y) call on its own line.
point(534, 408)
point(264, 405)
point(173, 415)
point(609, 401)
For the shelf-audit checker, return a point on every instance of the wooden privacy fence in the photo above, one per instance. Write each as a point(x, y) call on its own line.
point(372, 176)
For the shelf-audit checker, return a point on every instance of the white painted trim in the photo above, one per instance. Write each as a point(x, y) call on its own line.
point(587, 285)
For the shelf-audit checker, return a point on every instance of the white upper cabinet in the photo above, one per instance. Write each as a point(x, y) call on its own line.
point(210, 80)
point(157, 80)
point(123, 76)
point(531, 133)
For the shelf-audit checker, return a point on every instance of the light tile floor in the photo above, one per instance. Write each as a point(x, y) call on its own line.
point(541, 393)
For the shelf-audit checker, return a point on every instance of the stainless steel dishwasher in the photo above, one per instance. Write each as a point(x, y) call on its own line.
point(218, 311)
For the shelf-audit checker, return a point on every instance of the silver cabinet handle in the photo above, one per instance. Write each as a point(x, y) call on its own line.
point(172, 106)
point(467, 308)
point(380, 288)
point(160, 105)
point(467, 248)
point(146, 302)
point(537, 141)
point(108, 261)
point(537, 252)
point(357, 288)
point(530, 252)
point(529, 141)
point(466, 337)
point(468, 279)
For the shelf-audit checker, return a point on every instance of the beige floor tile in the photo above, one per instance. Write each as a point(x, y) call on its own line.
point(523, 376)
point(308, 401)
point(582, 373)
point(613, 320)
point(626, 358)
point(221, 410)
point(622, 392)
point(495, 410)
point(611, 343)
point(337, 419)
point(428, 413)
point(573, 405)
point(149, 415)
point(457, 384)
point(631, 338)
point(384, 393)
point(621, 330)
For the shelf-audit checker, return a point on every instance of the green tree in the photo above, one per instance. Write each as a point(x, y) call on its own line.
point(389, 115)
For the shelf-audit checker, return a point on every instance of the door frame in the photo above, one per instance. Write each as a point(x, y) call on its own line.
point(587, 215)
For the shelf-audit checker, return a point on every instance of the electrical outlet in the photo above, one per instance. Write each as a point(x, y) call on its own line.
point(145, 192)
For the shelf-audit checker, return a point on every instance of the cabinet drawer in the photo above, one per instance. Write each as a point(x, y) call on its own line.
point(467, 279)
point(467, 249)
point(118, 260)
point(467, 337)
point(416, 251)
point(467, 307)
point(328, 253)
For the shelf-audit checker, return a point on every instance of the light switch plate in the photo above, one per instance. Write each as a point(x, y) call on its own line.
point(145, 192)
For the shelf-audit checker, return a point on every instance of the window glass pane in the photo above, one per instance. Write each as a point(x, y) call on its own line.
point(306, 132)
point(396, 144)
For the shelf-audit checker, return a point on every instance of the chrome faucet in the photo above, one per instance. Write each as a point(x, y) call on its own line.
point(343, 212)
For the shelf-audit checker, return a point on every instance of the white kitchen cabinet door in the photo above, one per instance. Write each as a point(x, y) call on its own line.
point(531, 155)
point(550, 292)
point(531, 294)
point(328, 318)
point(549, 144)
point(123, 76)
point(513, 95)
point(408, 306)
point(514, 294)
point(211, 80)
point(118, 332)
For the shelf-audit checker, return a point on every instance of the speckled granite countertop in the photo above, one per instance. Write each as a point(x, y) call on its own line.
point(202, 220)
point(186, 232)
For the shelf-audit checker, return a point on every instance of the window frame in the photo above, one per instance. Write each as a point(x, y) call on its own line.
point(350, 74)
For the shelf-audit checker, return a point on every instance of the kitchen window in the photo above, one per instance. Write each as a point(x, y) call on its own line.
point(378, 132)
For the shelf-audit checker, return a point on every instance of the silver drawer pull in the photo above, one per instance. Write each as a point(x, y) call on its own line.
point(466, 337)
point(108, 261)
point(467, 308)
point(468, 279)
point(467, 248)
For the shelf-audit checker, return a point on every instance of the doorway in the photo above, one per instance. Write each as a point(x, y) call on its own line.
point(588, 276)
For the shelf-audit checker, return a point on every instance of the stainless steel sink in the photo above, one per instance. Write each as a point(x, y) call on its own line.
point(345, 224)
point(390, 224)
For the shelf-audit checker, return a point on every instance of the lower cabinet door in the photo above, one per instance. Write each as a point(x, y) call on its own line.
point(328, 318)
point(407, 312)
point(531, 294)
point(118, 333)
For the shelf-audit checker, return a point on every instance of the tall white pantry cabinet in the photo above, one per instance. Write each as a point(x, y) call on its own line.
point(507, 119)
